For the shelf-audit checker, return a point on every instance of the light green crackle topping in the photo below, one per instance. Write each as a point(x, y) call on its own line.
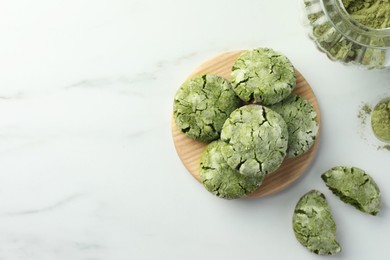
point(220, 179)
point(355, 187)
point(202, 105)
point(257, 140)
point(380, 120)
point(301, 120)
point(371, 13)
point(263, 76)
point(314, 226)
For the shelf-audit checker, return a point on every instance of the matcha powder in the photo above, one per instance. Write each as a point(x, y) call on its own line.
point(371, 13)
point(364, 113)
point(380, 120)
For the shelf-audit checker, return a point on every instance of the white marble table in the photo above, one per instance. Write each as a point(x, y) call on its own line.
point(88, 167)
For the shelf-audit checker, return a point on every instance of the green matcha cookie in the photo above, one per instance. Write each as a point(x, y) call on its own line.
point(300, 118)
point(201, 106)
point(353, 186)
point(314, 226)
point(257, 140)
point(263, 76)
point(221, 180)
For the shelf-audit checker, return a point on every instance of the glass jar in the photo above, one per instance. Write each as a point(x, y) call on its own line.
point(343, 39)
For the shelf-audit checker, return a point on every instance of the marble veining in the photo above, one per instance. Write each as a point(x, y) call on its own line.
point(58, 204)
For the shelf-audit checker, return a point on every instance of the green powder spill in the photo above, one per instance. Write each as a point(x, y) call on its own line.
point(371, 13)
point(380, 120)
point(364, 112)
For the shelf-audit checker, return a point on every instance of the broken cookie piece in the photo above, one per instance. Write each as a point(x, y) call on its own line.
point(314, 226)
point(263, 76)
point(256, 139)
point(221, 180)
point(301, 120)
point(355, 187)
point(201, 106)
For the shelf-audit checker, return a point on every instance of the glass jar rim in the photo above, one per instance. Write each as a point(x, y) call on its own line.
point(353, 30)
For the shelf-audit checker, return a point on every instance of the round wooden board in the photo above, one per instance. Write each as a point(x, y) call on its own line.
point(190, 150)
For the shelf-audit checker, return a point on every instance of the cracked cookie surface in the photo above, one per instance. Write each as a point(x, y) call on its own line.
point(300, 117)
point(220, 179)
point(314, 226)
point(201, 106)
point(355, 187)
point(263, 76)
point(256, 139)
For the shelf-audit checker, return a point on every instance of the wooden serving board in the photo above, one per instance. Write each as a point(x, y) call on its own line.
point(190, 150)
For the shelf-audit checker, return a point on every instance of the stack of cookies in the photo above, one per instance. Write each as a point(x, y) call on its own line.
point(252, 122)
